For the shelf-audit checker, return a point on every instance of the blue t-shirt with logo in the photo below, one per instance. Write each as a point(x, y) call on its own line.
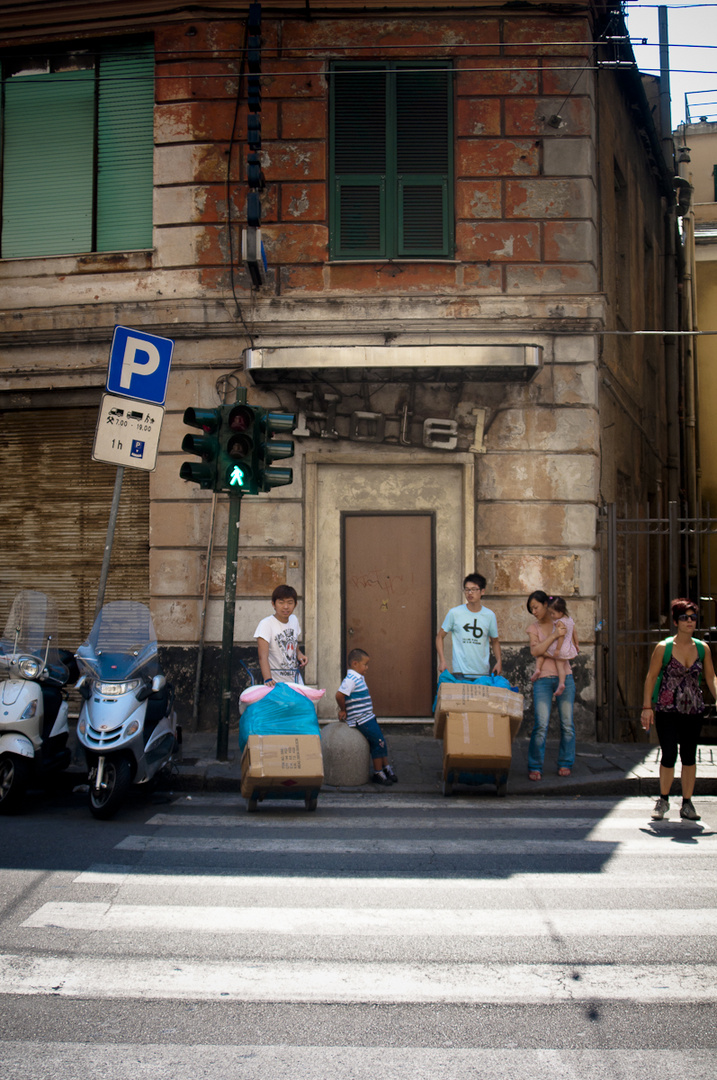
point(471, 632)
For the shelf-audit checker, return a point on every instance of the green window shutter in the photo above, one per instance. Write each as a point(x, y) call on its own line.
point(125, 147)
point(358, 156)
point(423, 161)
point(48, 164)
point(391, 160)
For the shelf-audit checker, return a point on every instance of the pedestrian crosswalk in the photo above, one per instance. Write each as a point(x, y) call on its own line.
point(561, 904)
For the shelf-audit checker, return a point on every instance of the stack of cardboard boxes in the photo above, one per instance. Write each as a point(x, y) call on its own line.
point(477, 725)
point(281, 761)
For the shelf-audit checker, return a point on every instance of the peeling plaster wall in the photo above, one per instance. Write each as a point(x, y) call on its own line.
point(534, 226)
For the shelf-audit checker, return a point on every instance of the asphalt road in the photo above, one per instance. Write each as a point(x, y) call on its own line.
point(381, 936)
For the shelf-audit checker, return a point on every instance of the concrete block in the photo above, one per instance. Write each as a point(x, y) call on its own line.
point(545, 429)
point(568, 157)
point(347, 762)
point(573, 477)
point(563, 279)
point(511, 574)
point(570, 241)
point(549, 198)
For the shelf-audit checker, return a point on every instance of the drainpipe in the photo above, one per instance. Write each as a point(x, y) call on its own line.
point(672, 359)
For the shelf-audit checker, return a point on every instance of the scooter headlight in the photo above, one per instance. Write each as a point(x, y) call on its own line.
point(29, 667)
point(116, 689)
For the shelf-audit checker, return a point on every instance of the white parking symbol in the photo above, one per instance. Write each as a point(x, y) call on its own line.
point(140, 357)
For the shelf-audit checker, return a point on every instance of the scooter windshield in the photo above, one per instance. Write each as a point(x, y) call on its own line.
point(121, 642)
point(31, 628)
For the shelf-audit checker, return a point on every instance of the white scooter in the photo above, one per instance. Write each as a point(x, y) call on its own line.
point(127, 726)
point(33, 704)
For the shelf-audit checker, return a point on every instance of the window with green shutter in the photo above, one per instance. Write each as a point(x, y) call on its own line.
point(391, 160)
point(77, 151)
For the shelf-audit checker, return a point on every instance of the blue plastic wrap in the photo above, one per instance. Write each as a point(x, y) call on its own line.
point(480, 680)
point(282, 712)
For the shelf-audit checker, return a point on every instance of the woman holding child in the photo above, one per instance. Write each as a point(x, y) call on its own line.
point(552, 679)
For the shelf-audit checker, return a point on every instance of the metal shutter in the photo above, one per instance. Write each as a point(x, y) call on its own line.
point(54, 513)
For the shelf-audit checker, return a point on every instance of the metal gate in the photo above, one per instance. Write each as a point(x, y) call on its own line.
point(645, 563)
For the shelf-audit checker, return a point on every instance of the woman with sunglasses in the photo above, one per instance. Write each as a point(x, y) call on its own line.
point(679, 705)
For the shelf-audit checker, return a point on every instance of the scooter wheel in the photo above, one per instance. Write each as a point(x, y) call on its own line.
point(14, 778)
point(116, 782)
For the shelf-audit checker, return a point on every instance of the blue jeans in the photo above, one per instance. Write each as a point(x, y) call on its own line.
point(543, 690)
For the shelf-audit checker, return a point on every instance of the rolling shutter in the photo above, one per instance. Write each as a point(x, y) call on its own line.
point(48, 164)
point(125, 148)
point(54, 513)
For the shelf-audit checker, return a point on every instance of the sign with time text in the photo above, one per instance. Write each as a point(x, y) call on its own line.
point(128, 432)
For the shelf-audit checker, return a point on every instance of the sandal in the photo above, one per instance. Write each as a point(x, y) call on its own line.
point(535, 775)
point(563, 772)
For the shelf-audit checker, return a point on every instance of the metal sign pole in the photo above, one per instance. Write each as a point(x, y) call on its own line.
point(109, 539)
point(230, 592)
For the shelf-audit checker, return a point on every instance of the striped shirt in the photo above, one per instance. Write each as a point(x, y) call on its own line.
point(359, 706)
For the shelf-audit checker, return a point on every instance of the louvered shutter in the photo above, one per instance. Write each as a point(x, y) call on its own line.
point(125, 147)
point(423, 148)
point(359, 164)
point(48, 164)
point(391, 161)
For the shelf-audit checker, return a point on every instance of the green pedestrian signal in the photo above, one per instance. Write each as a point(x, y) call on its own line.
point(270, 450)
point(236, 472)
point(205, 446)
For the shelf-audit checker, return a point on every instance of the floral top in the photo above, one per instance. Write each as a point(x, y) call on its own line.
point(680, 688)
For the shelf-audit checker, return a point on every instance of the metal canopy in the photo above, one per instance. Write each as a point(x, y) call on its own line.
point(379, 363)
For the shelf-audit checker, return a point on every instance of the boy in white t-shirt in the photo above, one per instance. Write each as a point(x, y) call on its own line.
point(280, 657)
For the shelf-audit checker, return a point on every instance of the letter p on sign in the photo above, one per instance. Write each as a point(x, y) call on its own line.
point(139, 365)
point(140, 356)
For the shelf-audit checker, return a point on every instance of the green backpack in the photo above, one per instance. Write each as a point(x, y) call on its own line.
point(667, 656)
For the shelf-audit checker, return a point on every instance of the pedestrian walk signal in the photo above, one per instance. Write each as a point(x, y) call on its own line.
point(237, 448)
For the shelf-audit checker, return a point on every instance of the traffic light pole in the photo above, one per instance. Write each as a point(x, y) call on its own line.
point(230, 593)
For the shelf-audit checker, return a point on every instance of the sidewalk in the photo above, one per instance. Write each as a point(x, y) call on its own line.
point(600, 768)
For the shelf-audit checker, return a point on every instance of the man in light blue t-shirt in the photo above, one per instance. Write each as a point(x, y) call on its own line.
point(474, 632)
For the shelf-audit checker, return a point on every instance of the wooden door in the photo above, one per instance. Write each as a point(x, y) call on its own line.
point(388, 589)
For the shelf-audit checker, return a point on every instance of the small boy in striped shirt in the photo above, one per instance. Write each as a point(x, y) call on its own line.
point(356, 708)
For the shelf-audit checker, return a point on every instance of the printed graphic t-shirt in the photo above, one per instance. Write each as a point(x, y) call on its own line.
point(283, 641)
point(471, 632)
point(359, 706)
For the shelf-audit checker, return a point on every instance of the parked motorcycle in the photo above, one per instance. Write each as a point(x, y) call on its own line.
point(127, 726)
point(33, 702)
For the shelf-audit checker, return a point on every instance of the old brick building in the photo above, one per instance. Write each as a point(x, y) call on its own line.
point(466, 213)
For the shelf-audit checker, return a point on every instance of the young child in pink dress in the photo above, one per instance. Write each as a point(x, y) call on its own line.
point(562, 650)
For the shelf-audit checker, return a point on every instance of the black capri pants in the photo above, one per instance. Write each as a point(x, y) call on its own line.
point(678, 729)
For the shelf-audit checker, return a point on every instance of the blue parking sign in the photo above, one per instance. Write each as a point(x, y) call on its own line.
point(139, 365)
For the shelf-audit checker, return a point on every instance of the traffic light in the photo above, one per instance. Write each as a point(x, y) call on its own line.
point(205, 446)
point(269, 450)
point(237, 454)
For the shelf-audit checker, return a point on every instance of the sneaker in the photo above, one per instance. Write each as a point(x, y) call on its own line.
point(688, 811)
point(380, 778)
point(661, 808)
point(391, 774)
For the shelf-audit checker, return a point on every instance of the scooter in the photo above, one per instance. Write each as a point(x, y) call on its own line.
point(33, 703)
point(127, 726)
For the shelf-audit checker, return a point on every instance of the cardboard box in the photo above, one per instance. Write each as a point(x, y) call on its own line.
point(474, 698)
point(476, 742)
point(278, 761)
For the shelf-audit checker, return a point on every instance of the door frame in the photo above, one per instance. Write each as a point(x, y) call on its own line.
point(365, 461)
point(390, 513)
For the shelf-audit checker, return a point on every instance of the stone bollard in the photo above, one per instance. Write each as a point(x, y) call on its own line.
point(347, 762)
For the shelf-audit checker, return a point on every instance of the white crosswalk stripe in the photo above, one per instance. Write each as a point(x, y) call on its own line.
point(428, 895)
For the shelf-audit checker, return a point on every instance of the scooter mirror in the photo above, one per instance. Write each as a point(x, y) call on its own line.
point(158, 683)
